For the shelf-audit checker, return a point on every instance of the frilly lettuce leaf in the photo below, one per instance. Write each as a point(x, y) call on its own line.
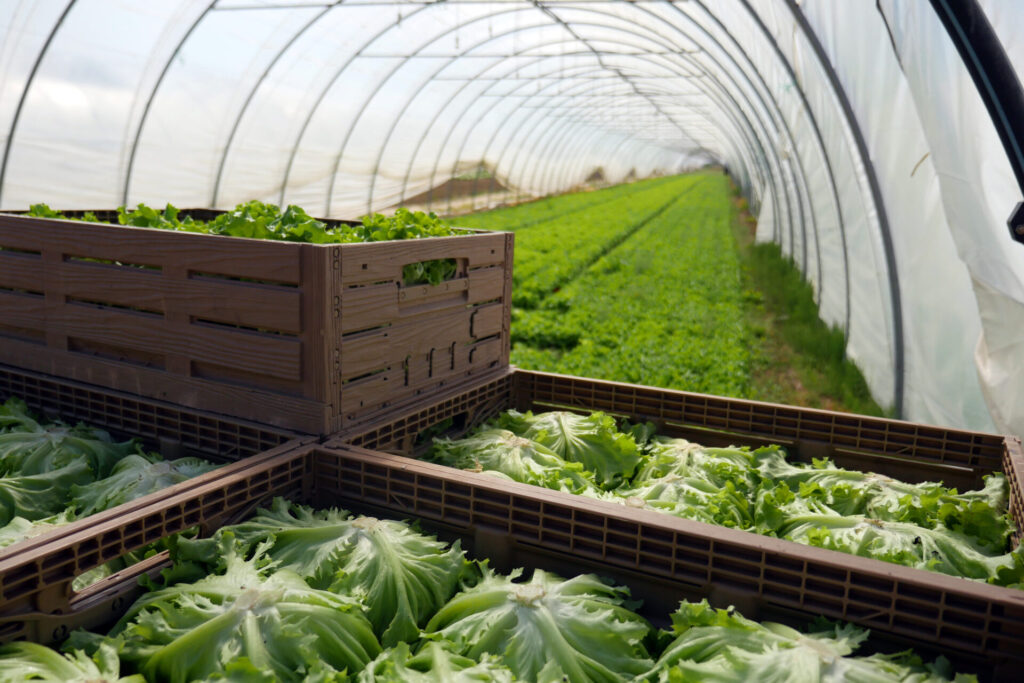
point(717, 466)
point(517, 457)
point(547, 628)
point(37, 496)
point(979, 514)
point(400, 575)
point(691, 498)
point(592, 440)
point(272, 619)
point(133, 477)
point(20, 529)
point(23, 661)
point(28, 447)
point(434, 662)
point(295, 537)
point(806, 520)
point(721, 645)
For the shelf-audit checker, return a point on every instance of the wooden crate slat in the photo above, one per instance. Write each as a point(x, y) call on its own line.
point(236, 257)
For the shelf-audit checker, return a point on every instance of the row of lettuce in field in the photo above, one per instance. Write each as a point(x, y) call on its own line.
point(259, 220)
point(295, 594)
point(653, 309)
point(555, 207)
point(924, 525)
point(52, 473)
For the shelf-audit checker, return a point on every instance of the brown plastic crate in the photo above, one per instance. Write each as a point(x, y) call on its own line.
point(662, 558)
point(36, 575)
point(168, 428)
point(309, 337)
point(909, 451)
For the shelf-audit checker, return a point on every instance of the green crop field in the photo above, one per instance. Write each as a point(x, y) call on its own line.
point(659, 282)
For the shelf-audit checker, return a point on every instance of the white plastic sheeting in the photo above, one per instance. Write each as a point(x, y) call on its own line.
point(853, 127)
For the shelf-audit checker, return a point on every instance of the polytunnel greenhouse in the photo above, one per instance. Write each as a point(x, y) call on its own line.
point(355, 340)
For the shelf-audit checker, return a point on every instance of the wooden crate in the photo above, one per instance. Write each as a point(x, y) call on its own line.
point(307, 337)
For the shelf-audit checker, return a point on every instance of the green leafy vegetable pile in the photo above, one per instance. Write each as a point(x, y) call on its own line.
point(296, 594)
point(721, 645)
point(52, 473)
point(257, 220)
point(32, 662)
point(926, 525)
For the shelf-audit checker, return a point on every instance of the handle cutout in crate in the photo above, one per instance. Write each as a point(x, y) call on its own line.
point(433, 271)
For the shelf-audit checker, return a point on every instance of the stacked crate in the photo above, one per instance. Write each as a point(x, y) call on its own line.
point(376, 365)
point(308, 337)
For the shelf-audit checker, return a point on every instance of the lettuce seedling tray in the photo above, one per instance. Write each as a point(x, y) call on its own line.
point(307, 337)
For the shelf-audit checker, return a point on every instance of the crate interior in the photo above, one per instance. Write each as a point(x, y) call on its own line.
point(906, 451)
point(544, 532)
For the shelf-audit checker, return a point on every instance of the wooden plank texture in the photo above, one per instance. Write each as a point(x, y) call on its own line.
point(23, 310)
point(486, 284)
point(21, 271)
point(232, 302)
point(379, 348)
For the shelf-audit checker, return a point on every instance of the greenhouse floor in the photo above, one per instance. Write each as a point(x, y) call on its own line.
point(659, 282)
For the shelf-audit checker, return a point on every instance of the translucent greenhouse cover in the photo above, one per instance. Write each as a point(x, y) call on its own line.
point(856, 129)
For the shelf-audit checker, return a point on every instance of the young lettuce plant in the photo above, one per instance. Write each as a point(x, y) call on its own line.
point(547, 629)
point(37, 496)
point(29, 447)
point(717, 466)
point(979, 514)
point(24, 661)
point(246, 617)
point(691, 498)
point(401, 576)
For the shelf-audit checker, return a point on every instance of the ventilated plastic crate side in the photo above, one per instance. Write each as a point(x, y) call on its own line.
point(909, 451)
point(660, 555)
point(307, 337)
point(171, 429)
point(662, 558)
point(166, 427)
point(36, 576)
